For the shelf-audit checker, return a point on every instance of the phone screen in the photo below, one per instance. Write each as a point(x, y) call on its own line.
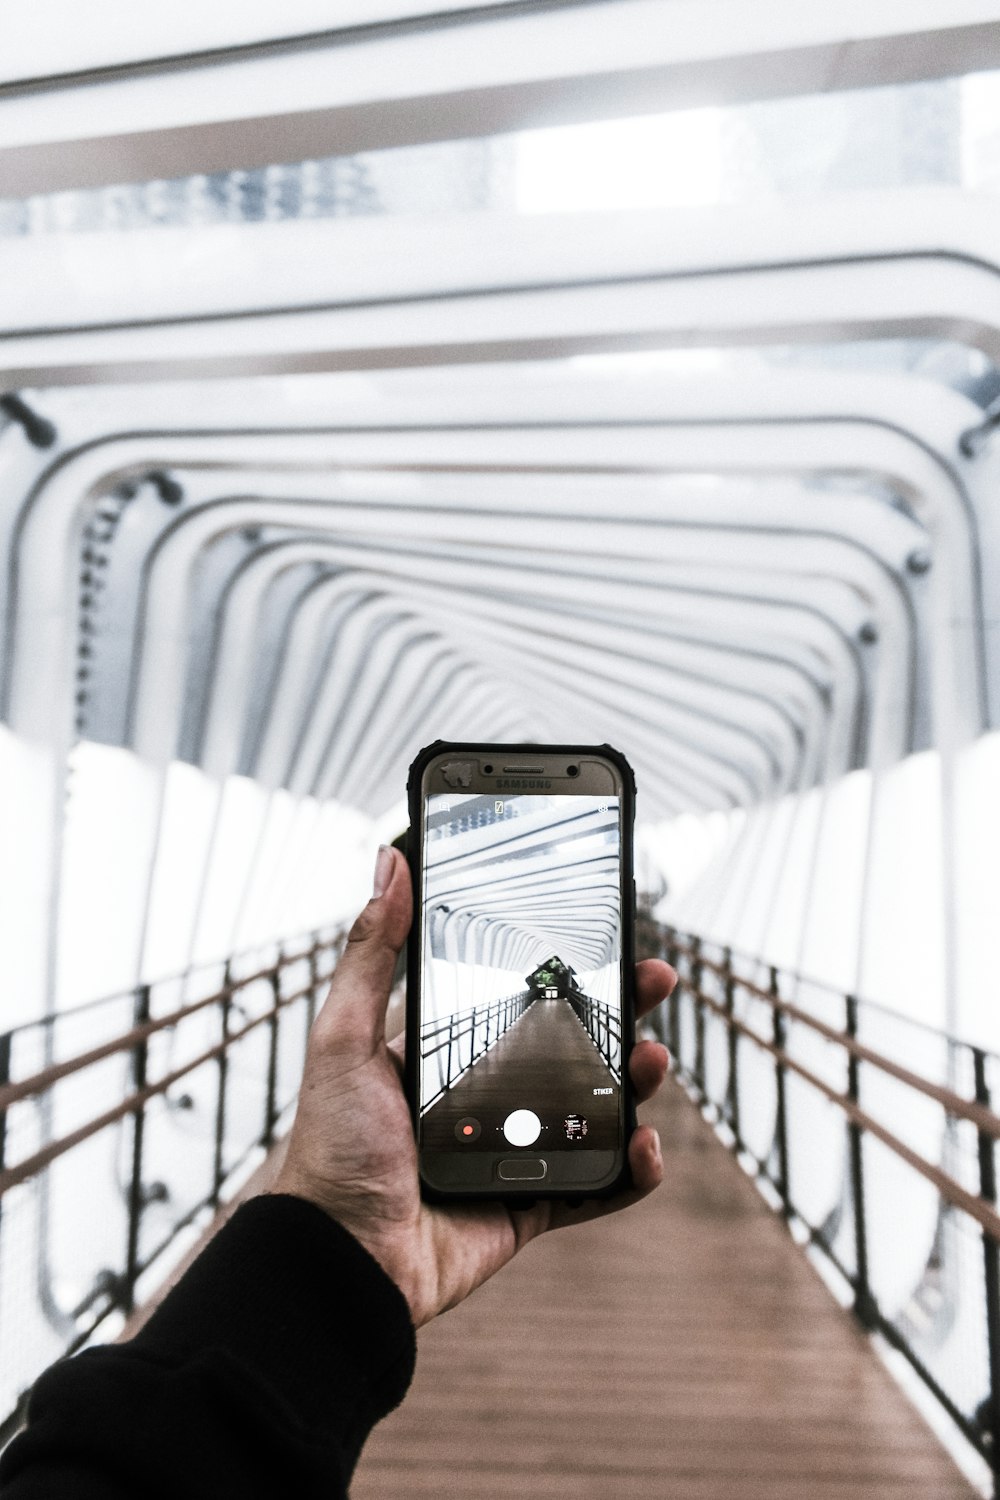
point(520, 1044)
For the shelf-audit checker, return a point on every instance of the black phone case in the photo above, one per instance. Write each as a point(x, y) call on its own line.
point(413, 959)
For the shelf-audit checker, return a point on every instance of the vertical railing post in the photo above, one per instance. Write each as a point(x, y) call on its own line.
point(218, 1165)
point(732, 1042)
point(991, 1259)
point(781, 1114)
point(697, 973)
point(451, 1038)
point(6, 1041)
point(675, 999)
point(864, 1303)
point(136, 1193)
point(270, 1105)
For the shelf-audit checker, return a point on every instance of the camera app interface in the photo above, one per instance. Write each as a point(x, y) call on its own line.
point(520, 1038)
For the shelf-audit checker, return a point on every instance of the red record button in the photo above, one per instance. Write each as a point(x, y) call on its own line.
point(468, 1129)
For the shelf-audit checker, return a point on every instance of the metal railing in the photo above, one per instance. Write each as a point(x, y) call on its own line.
point(483, 1025)
point(40, 1134)
point(876, 1136)
point(603, 1026)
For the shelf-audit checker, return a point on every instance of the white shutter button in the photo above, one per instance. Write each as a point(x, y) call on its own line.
point(522, 1128)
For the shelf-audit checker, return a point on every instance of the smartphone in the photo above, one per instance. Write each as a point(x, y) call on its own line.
point(520, 970)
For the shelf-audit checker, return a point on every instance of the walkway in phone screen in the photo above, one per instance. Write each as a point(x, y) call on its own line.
point(544, 1062)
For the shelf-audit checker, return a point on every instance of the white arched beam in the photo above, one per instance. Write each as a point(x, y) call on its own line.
point(343, 90)
point(379, 294)
point(150, 279)
point(35, 606)
point(478, 592)
point(634, 538)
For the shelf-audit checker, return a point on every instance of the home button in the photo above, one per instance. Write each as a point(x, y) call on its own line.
point(522, 1169)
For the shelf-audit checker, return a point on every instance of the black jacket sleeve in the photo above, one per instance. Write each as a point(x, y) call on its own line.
point(260, 1374)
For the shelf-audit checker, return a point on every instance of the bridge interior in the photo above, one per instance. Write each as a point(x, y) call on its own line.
point(600, 370)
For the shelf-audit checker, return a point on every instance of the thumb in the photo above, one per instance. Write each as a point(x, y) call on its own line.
point(352, 1022)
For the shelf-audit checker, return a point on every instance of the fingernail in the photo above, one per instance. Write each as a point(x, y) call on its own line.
point(657, 1148)
point(383, 871)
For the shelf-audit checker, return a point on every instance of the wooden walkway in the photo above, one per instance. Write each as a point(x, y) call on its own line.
point(683, 1350)
point(545, 1062)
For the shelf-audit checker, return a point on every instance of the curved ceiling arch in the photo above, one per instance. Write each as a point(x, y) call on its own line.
point(312, 518)
point(168, 586)
point(106, 280)
point(272, 765)
point(238, 95)
point(821, 304)
point(529, 637)
point(235, 648)
point(703, 456)
point(72, 485)
point(148, 731)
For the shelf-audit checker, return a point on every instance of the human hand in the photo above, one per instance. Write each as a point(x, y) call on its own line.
point(352, 1150)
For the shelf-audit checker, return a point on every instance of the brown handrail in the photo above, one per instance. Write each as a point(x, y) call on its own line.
point(976, 1207)
point(981, 1208)
point(844, 1235)
point(979, 1115)
point(12, 1176)
point(983, 1118)
point(38, 1083)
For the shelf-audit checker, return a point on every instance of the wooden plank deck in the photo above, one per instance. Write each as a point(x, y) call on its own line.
point(684, 1350)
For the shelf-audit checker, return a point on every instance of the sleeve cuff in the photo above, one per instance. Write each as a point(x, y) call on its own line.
point(289, 1293)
